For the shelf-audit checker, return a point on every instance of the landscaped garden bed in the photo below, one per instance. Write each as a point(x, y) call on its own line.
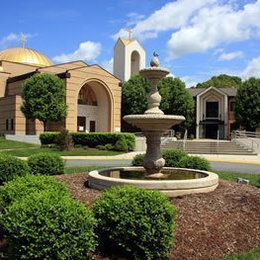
point(209, 226)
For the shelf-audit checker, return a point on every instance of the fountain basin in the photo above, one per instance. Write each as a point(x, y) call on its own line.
point(196, 181)
point(154, 122)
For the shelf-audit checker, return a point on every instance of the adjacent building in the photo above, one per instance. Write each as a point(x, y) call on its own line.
point(214, 112)
point(93, 95)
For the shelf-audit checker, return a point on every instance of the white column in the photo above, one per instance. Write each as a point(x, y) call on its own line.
point(197, 118)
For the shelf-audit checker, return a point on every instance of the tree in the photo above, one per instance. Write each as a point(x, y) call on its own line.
point(247, 104)
point(44, 98)
point(176, 100)
point(134, 99)
point(221, 81)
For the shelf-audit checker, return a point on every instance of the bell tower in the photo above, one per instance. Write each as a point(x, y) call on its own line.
point(129, 58)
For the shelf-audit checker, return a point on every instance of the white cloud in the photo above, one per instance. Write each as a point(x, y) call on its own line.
point(171, 16)
point(252, 69)
point(189, 81)
point(108, 65)
point(87, 51)
point(230, 55)
point(13, 39)
point(213, 25)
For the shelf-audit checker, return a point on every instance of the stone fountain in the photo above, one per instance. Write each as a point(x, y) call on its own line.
point(153, 123)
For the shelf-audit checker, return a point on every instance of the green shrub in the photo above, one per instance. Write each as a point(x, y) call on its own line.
point(109, 147)
point(47, 226)
point(138, 160)
point(173, 157)
point(25, 186)
point(64, 141)
point(121, 145)
point(135, 223)
point(195, 162)
point(49, 137)
point(46, 164)
point(11, 167)
point(91, 139)
point(101, 147)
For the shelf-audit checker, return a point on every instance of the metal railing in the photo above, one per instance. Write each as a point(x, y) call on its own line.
point(250, 140)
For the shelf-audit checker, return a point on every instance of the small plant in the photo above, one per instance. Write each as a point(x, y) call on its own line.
point(135, 223)
point(109, 147)
point(138, 160)
point(195, 162)
point(46, 164)
point(24, 186)
point(11, 167)
point(64, 141)
point(101, 147)
point(173, 157)
point(121, 145)
point(47, 226)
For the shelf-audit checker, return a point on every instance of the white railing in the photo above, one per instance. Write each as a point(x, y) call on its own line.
point(250, 140)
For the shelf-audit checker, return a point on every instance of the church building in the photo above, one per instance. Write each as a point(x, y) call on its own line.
point(93, 95)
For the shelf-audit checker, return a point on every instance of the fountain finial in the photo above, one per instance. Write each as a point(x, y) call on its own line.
point(155, 61)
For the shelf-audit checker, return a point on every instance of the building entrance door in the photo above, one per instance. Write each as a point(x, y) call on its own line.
point(81, 124)
point(211, 131)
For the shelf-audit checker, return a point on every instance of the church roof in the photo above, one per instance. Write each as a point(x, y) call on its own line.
point(231, 92)
point(126, 41)
point(25, 55)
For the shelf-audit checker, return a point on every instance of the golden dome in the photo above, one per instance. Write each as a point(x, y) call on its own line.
point(24, 55)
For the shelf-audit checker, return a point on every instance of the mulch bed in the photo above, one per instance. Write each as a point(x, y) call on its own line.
point(209, 226)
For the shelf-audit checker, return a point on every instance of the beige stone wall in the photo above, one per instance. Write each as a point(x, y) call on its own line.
point(107, 90)
point(105, 86)
point(8, 111)
point(15, 68)
point(3, 78)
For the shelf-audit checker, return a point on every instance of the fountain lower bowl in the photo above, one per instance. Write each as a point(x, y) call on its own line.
point(189, 181)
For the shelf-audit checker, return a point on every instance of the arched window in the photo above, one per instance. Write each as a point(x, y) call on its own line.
point(87, 96)
point(135, 62)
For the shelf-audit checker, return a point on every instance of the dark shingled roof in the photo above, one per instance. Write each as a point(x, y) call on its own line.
point(231, 92)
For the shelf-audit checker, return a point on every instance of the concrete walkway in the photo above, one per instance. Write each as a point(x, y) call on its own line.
point(245, 159)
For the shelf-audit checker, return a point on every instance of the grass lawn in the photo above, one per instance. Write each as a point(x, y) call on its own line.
point(254, 179)
point(251, 255)
point(8, 144)
point(76, 152)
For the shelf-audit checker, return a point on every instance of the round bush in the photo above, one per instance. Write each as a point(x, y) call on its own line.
point(46, 164)
point(121, 145)
point(138, 160)
point(44, 226)
point(195, 162)
point(135, 223)
point(173, 157)
point(25, 186)
point(11, 167)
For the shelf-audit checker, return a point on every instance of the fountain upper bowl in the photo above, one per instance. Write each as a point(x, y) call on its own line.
point(154, 122)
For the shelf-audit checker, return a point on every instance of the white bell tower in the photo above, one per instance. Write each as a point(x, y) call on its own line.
point(129, 58)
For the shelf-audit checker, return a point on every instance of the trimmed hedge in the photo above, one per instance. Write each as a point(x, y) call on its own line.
point(46, 164)
point(172, 158)
point(195, 162)
point(24, 186)
point(11, 167)
point(178, 159)
point(92, 139)
point(47, 226)
point(135, 223)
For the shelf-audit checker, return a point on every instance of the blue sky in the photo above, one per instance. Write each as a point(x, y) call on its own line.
point(195, 39)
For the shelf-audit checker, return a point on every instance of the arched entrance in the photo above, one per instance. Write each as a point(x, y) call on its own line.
point(94, 108)
point(135, 63)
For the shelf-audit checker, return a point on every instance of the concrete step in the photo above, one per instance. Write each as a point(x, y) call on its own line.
point(31, 139)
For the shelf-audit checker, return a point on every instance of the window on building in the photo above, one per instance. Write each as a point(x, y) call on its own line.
point(7, 124)
point(92, 126)
point(212, 109)
point(12, 124)
point(232, 106)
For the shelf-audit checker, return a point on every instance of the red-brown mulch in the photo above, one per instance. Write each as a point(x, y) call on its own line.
point(209, 226)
